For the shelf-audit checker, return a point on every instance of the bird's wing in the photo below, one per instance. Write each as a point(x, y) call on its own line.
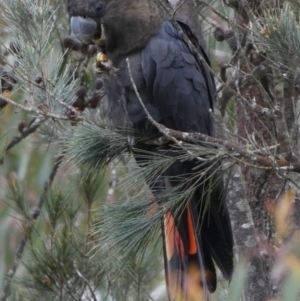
point(182, 89)
point(178, 83)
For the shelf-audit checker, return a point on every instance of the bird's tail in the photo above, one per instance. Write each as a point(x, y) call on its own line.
point(189, 274)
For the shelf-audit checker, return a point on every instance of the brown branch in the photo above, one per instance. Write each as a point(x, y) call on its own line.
point(31, 128)
point(245, 235)
point(213, 10)
point(235, 150)
point(232, 89)
point(163, 130)
point(43, 112)
point(247, 80)
point(84, 280)
point(282, 133)
point(267, 161)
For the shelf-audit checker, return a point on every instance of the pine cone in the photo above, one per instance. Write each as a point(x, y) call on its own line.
point(94, 100)
point(231, 40)
point(3, 103)
point(72, 44)
point(98, 84)
point(79, 104)
point(219, 34)
point(7, 80)
point(38, 79)
point(81, 92)
point(7, 86)
point(22, 125)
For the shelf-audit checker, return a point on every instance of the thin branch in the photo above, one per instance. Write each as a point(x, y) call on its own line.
point(43, 112)
point(282, 132)
point(174, 135)
point(162, 129)
point(177, 7)
point(166, 8)
point(247, 80)
point(31, 128)
point(213, 10)
point(85, 281)
point(231, 91)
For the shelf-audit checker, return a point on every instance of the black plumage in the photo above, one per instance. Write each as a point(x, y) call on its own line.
point(178, 90)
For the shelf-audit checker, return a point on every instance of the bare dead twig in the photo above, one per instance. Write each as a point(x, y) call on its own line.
point(31, 128)
point(42, 112)
point(177, 7)
point(282, 132)
point(162, 129)
point(213, 10)
point(264, 162)
point(247, 80)
point(85, 280)
point(231, 89)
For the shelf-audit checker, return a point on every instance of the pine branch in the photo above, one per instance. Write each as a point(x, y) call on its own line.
point(231, 89)
point(43, 111)
point(85, 281)
point(31, 128)
point(22, 242)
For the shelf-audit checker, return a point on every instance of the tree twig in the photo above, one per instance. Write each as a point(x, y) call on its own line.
point(31, 128)
point(41, 112)
point(164, 130)
point(236, 150)
point(85, 280)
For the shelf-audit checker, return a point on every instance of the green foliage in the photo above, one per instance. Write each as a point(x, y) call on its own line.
point(57, 254)
point(92, 147)
point(33, 24)
point(281, 35)
point(16, 199)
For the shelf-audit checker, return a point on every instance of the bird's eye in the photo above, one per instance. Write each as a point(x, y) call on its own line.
point(99, 7)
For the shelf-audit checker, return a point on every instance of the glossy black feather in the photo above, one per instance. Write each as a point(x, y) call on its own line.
point(179, 88)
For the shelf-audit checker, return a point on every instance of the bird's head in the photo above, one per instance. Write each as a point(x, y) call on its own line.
point(121, 26)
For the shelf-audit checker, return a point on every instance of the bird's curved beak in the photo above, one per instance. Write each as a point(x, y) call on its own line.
point(84, 28)
point(87, 30)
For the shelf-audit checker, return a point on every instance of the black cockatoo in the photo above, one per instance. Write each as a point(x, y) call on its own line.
point(177, 90)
